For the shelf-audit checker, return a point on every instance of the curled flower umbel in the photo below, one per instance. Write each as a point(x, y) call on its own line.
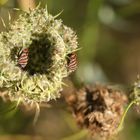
point(135, 95)
point(34, 57)
point(98, 108)
point(135, 91)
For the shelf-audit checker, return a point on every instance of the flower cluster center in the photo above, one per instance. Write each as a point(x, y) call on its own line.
point(39, 59)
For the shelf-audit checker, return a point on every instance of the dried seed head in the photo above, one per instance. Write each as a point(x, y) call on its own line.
point(48, 42)
point(98, 108)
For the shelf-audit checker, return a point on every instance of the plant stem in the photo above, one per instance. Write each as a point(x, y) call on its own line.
point(77, 136)
point(124, 114)
point(26, 4)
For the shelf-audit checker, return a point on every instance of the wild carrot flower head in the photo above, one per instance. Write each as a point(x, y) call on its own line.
point(35, 76)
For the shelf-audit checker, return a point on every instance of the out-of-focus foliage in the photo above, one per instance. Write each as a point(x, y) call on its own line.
point(109, 38)
point(2, 2)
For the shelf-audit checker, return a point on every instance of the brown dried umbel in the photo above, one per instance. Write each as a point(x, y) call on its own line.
point(98, 108)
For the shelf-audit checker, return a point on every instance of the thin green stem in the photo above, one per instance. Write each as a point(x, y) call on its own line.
point(77, 136)
point(124, 114)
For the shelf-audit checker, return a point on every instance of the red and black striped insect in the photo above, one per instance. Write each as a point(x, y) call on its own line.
point(23, 58)
point(72, 62)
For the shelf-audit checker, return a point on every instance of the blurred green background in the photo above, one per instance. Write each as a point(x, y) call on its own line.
point(109, 37)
